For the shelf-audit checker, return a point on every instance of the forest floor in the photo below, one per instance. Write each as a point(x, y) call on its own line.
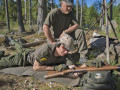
point(13, 82)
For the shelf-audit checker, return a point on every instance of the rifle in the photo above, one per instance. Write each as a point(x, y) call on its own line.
point(51, 74)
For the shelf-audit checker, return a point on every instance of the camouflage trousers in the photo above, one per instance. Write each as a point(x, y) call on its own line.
point(17, 59)
point(80, 41)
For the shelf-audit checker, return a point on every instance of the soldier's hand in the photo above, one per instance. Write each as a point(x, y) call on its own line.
point(94, 63)
point(72, 67)
point(83, 65)
point(53, 42)
point(60, 67)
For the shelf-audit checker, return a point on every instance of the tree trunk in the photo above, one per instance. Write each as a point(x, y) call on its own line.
point(111, 7)
point(107, 34)
point(102, 18)
point(20, 18)
point(30, 13)
point(25, 10)
point(26, 45)
point(41, 14)
point(7, 15)
point(77, 9)
point(52, 4)
point(81, 13)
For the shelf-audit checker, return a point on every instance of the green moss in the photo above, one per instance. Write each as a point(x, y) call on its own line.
point(116, 79)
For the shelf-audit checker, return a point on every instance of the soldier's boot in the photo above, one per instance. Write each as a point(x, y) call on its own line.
point(11, 41)
point(2, 53)
point(19, 48)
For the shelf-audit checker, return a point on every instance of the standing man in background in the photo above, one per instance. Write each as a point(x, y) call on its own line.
point(62, 20)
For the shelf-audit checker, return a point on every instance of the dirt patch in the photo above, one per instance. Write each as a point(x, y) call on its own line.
point(13, 82)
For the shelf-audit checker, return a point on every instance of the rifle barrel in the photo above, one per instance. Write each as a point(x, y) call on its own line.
point(52, 74)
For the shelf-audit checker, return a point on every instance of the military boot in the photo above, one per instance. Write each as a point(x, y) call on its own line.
point(10, 41)
point(2, 53)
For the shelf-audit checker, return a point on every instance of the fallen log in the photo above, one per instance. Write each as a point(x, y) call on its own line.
point(26, 45)
point(33, 43)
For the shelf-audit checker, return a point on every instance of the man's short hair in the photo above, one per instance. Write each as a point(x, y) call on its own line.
point(68, 2)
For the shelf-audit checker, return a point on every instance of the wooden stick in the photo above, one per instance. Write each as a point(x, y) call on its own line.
point(107, 34)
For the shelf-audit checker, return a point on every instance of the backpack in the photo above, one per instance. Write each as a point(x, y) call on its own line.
point(97, 80)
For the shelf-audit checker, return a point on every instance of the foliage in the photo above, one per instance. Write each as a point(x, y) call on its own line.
point(35, 9)
point(85, 8)
point(2, 10)
point(12, 8)
point(116, 79)
point(116, 14)
point(91, 15)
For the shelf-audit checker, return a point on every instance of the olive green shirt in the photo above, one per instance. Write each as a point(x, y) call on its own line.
point(45, 56)
point(58, 21)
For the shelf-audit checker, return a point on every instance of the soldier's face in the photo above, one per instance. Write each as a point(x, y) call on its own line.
point(65, 8)
point(62, 51)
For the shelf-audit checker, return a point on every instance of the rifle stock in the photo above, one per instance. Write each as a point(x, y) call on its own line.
point(51, 74)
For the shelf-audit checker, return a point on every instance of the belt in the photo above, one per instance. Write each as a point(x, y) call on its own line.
point(26, 56)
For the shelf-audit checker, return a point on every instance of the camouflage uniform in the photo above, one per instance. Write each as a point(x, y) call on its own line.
point(17, 59)
point(44, 55)
point(58, 22)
